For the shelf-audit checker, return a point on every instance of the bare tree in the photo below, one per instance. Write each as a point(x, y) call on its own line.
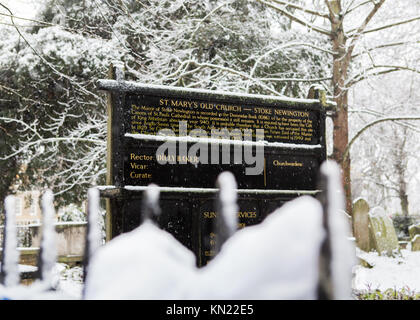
point(386, 146)
point(349, 24)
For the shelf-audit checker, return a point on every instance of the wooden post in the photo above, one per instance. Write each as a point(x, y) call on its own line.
point(114, 167)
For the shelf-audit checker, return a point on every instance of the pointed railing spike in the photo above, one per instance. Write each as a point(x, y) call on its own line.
point(325, 287)
point(150, 207)
point(93, 232)
point(337, 254)
point(48, 251)
point(227, 208)
point(10, 255)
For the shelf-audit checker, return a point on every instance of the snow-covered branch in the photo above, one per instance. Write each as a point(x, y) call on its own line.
point(296, 18)
point(361, 29)
point(294, 79)
point(373, 123)
point(365, 74)
point(332, 12)
point(386, 45)
point(357, 6)
point(44, 60)
point(383, 115)
point(358, 31)
point(282, 47)
point(300, 8)
point(50, 140)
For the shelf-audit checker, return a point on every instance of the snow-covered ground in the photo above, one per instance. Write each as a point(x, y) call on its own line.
point(71, 283)
point(388, 273)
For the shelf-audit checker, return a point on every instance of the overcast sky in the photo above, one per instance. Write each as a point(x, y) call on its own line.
point(21, 8)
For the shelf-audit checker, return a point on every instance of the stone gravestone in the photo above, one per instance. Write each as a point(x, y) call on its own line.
point(382, 232)
point(415, 243)
point(143, 118)
point(360, 221)
point(414, 232)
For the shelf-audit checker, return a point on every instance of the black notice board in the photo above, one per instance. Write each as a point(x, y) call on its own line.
point(294, 131)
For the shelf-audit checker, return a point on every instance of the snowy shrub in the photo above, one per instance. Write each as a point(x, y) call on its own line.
point(389, 294)
point(401, 224)
point(71, 213)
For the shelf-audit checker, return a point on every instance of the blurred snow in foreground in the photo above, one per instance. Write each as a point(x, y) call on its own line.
point(277, 259)
point(388, 272)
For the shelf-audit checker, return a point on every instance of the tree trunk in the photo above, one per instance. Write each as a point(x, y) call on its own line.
point(341, 61)
point(402, 185)
point(404, 204)
point(340, 136)
point(400, 159)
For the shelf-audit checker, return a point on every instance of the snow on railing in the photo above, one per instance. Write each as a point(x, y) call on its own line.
point(150, 206)
point(10, 255)
point(333, 281)
point(93, 232)
point(227, 208)
point(48, 251)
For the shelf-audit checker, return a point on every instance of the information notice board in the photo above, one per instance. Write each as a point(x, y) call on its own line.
point(192, 122)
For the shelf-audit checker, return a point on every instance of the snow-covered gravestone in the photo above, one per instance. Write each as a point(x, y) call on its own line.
point(382, 232)
point(414, 230)
point(181, 139)
point(415, 243)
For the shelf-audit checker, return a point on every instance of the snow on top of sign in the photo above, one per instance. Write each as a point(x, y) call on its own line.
point(213, 190)
point(343, 251)
point(173, 189)
point(261, 143)
point(123, 85)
